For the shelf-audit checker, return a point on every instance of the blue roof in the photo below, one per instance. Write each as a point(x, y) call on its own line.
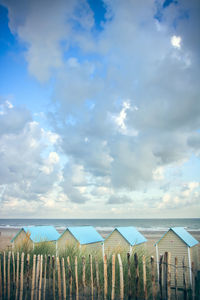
point(85, 234)
point(132, 235)
point(185, 236)
point(40, 233)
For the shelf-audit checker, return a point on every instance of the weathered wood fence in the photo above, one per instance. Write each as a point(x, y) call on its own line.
point(48, 277)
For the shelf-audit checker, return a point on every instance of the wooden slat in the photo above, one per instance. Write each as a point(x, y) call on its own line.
point(176, 278)
point(193, 281)
point(76, 277)
point(184, 280)
point(59, 277)
point(136, 276)
point(83, 276)
point(45, 276)
point(70, 277)
point(1, 294)
point(49, 265)
point(33, 277)
point(97, 277)
point(105, 277)
point(121, 278)
point(22, 277)
point(113, 278)
point(40, 281)
point(91, 277)
point(64, 279)
point(144, 277)
point(8, 287)
point(17, 277)
point(54, 277)
point(168, 275)
point(37, 277)
point(27, 276)
point(13, 264)
point(153, 278)
point(161, 276)
point(4, 273)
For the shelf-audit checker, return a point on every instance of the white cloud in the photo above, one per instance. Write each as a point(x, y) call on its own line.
point(176, 41)
point(109, 146)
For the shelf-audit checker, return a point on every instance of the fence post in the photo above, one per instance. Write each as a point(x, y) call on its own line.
point(193, 281)
point(45, 275)
point(97, 277)
point(176, 278)
point(27, 275)
point(153, 278)
point(49, 276)
point(22, 276)
point(136, 275)
point(33, 278)
point(113, 277)
point(4, 274)
point(64, 279)
point(54, 277)
point(161, 276)
point(17, 277)
point(121, 278)
point(168, 275)
point(76, 277)
point(184, 280)
point(40, 281)
point(9, 254)
point(37, 276)
point(70, 278)
point(129, 276)
point(144, 277)
point(105, 277)
point(59, 277)
point(0, 280)
point(91, 276)
point(13, 263)
point(83, 276)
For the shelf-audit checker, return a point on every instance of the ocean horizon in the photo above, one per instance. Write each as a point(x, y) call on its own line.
point(191, 224)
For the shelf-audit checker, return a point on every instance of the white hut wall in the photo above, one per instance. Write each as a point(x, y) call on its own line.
point(23, 241)
point(173, 244)
point(67, 239)
point(116, 243)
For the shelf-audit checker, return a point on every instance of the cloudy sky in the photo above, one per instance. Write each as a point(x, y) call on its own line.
point(99, 108)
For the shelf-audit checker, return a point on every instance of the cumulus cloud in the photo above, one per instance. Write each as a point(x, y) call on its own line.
point(186, 195)
point(119, 199)
point(127, 105)
point(27, 173)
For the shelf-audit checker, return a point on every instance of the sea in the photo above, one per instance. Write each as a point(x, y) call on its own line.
point(106, 224)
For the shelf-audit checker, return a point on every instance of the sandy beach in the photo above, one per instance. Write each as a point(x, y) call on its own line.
point(6, 234)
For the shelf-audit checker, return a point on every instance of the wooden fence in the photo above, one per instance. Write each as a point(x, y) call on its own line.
point(48, 277)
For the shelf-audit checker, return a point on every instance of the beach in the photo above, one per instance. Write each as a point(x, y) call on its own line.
point(6, 234)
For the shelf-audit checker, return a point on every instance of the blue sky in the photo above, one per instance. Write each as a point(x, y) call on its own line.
point(99, 109)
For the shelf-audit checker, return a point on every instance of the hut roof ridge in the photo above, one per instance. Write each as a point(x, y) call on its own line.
point(40, 233)
point(132, 235)
point(185, 236)
point(85, 234)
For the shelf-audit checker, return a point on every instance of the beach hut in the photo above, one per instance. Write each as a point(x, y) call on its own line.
point(180, 244)
point(31, 236)
point(124, 238)
point(85, 237)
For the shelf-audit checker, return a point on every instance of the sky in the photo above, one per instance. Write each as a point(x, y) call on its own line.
point(99, 109)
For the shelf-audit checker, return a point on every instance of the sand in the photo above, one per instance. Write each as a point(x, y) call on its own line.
point(6, 234)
